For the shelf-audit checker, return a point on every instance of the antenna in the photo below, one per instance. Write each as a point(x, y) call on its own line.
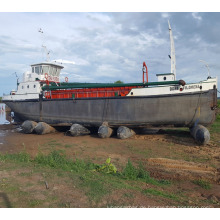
point(207, 66)
point(47, 53)
point(15, 74)
point(16, 78)
point(45, 48)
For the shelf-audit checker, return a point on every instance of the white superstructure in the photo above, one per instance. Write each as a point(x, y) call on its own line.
point(33, 80)
point(202, 86)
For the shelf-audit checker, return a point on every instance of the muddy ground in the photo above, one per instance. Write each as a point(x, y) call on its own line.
point(170, 154)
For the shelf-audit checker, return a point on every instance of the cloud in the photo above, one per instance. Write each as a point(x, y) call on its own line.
point(105, 47)
point(196, 16)
point(165, 15)
point(64, 61)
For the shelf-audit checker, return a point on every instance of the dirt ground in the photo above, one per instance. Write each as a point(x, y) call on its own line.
point(170, 154)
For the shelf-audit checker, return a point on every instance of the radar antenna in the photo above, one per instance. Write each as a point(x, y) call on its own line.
point(43, 46)
point(207, 66)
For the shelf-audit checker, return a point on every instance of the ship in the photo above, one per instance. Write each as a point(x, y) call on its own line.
point(41, 97)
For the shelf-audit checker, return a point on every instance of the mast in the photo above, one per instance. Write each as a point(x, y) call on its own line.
point(43, 46)
point(172, 53)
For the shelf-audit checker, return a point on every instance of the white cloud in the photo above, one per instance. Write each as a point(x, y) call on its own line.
point(64, 61)
point(100, 17)
point(196, 16)
point(165, 15)
point(103, 47)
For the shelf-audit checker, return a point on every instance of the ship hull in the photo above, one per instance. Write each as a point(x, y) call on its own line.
point(177, 110)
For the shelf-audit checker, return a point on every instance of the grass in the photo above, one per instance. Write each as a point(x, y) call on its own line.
point(202, 183)
point(215, 128)
point(58, 160)
point(94, 182)
point(20, 157)
point(159, 193)
point(131, 172)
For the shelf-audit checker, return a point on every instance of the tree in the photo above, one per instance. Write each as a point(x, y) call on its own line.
point(118, 82)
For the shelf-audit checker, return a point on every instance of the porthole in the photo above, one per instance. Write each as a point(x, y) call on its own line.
point(164, 78)
point(28, 86)
point(34, 86)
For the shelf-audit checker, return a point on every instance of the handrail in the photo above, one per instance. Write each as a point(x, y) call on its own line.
point(107, 85)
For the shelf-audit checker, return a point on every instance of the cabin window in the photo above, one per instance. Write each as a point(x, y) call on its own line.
point(164, 78)
point(28, 86)
point(22, 87)
point(55, 71)
point(58, 72)
point(40, 68)
point(37, 69)
point(51, 70)
point(45, 69)
point(34, 86)
point(32, 69)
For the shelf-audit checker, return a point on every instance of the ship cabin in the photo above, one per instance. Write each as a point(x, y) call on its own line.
point(46, 72)
point(165, 77)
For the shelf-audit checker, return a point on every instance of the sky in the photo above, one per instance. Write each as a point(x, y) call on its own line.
point(109, 46)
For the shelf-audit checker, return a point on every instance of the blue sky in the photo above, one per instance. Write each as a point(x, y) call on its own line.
point(105, 47)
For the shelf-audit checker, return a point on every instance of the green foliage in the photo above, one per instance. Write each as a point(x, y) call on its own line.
point(132, 173)
point(202, 183)
point(57, 160)
point(94, 186)
point(20, 157)
point(108, 167)
point(215, 127)
point(161, 194)
point(118, 82)
point(164, 182)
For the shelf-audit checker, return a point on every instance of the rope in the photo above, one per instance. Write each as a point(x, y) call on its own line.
point(197, 112)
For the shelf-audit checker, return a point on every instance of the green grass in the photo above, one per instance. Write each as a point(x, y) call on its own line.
point(156, 192)
point(131, 172)
point(215, 128)
point(20, 157)
point(58, 160)
point(202, 183)
point(67, 145)
point(95, 184)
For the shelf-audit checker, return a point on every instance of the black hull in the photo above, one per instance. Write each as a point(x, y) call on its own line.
point(178, 110)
